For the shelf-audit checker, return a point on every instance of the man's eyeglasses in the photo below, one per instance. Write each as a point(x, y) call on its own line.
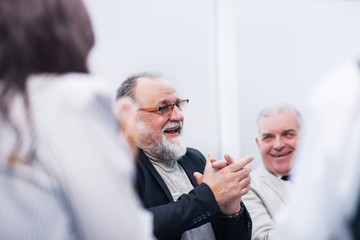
point(166, 110)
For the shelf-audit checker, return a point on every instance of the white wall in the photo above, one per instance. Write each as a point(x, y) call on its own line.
point(173, 37)
point(282, 49)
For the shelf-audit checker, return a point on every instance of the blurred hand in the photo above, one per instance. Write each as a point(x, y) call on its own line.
point(125, 113)
point(228, 180)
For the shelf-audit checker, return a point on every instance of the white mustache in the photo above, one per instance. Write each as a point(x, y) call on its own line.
point(172, 125)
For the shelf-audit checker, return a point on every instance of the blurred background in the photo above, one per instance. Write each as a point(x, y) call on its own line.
point(229, 57)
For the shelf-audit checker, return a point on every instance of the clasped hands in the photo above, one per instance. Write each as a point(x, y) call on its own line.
point(229, 180)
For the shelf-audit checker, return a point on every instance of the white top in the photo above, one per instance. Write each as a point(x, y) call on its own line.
point(80, 182)
point(327, 168)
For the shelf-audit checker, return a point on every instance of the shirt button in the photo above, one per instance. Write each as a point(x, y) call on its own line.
point(207, 213)
point(203, 216)
point(194, 221)
point(199, 218)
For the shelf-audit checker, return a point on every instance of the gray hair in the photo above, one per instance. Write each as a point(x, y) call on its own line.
point(280, 108)
point(127, 87)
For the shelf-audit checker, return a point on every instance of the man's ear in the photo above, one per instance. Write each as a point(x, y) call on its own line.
point(257, 142)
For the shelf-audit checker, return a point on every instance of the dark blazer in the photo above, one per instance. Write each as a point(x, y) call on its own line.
point(172, 218)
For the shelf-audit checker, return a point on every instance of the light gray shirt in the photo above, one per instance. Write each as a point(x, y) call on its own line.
point(178, 183)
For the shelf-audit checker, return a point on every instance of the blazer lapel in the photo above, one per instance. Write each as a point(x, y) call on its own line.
point(146, 162)
point(275, 184)
point(189, 169)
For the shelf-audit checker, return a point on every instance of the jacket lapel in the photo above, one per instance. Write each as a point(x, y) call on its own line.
point(189, 168)
point(146, 162)
point(275, 184)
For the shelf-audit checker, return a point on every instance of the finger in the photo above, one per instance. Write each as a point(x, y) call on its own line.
point(248, 167)
point(208, 163)
point(245, 190)
point(228, 159)
point(211, 156)
point(241, 174)
point(245, 182)
point(236, 166)
point(219, 164)
point(199, 177)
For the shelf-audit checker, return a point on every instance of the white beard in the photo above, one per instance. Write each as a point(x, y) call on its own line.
point(159, 146)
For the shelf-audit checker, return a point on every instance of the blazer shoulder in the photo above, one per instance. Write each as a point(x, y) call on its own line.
point(261, 177)
point(192, 152)
point(261, 173)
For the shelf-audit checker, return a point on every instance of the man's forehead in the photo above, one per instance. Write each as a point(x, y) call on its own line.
point(273, 131)
point(154, 90)
point(281, 121)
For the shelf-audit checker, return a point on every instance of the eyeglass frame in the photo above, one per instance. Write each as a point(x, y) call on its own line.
point(167, 106)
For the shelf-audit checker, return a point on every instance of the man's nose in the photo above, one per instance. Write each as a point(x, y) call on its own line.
point(176, 114)
point(278, 144)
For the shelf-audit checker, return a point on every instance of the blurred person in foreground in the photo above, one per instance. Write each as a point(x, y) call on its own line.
point(186, 204)
point(64, 172)
point(325, 201)
point(278, 131)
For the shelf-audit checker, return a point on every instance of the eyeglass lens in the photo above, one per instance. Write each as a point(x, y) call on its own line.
point(168, 109)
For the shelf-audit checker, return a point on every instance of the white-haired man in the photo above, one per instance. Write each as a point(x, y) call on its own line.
point(278, 131)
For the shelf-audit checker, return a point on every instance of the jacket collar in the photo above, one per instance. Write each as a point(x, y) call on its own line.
point(273, 182)
point(184, 161)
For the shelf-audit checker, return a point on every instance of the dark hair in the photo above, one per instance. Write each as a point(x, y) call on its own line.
point(41, 36)
point(127, 87)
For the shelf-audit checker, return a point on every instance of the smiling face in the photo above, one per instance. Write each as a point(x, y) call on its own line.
point(278, 135)
point(159, 134)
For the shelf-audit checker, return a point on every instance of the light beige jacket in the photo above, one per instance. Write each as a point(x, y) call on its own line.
point(266, 197)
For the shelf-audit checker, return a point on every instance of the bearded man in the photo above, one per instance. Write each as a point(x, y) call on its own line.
point(189, 197)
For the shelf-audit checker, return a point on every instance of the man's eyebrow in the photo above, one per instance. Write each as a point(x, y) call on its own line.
point(290, 130)
point(165, 102)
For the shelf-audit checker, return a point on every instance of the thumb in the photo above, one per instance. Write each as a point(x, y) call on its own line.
point(199, 177)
